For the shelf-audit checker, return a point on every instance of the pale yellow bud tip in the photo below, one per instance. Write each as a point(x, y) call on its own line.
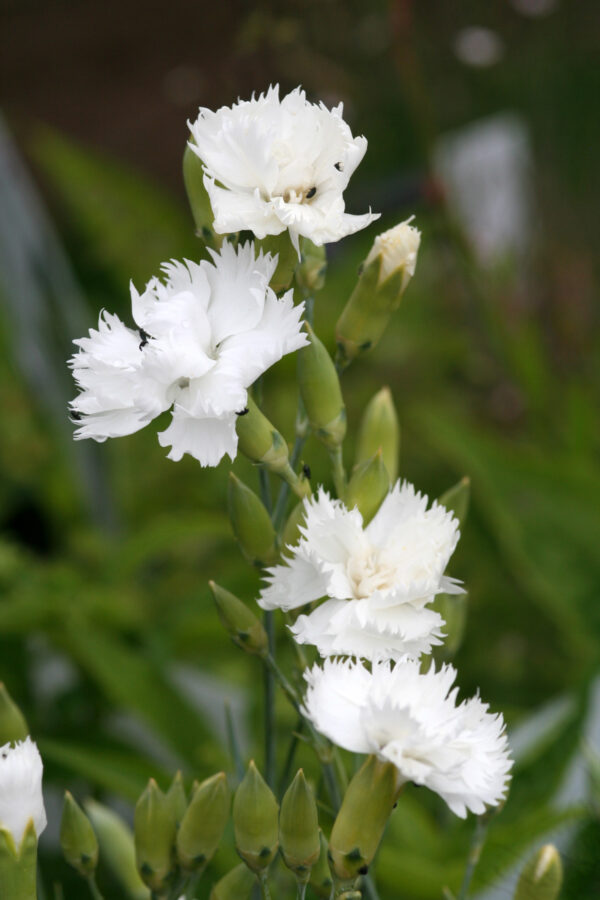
point(398, 249)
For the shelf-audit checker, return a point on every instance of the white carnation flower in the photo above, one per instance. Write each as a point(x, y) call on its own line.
point(202, 338)
point(377, 580)
point(412, 720)
point(274, 164)
point(21, 789)
point(398, 248)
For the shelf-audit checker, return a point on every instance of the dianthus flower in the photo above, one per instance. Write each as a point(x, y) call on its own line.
point(377, 580)
point(274, 164)
point(412, 720)
point(202, 338)
point(21, 789)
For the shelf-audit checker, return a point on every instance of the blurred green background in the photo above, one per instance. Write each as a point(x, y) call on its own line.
point(482, 120)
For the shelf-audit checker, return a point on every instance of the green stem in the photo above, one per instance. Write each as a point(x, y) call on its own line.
point(301, 891)
point(339, 475)
point(265, 490)
point(289, 759)
point(475, 848)
point(270, 748)
point(94, 890)
point(191, 888)
point(264, 887)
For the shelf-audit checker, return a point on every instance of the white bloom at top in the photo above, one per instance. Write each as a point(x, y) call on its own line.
point(412, 720)
point(398, 248)
point(274, 164)
point(202, 338)
point(21, 789)
point(377, 580)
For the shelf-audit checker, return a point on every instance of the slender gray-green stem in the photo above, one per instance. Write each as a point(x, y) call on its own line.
point(301, 891)
point(270, 745)
point(94, 890)
point(264, 887)
point(477, 841)
point(191, 888)
point(337, 467)
point(289, 759)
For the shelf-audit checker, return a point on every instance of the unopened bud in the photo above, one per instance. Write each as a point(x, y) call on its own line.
point(251, 524)
point(287, 258)
point(236, 885)
point(260, 441)
point(203, 825)
point(291, 531)
point(362, 818)
point(77, 838)
point(368, 486)
point(18, 864)
point(255, 821)
point(456, 499)
point(244, 628)
point(379, 428)
point(453, 610)
point(154, 832)
point(117, 848)
point(13, 726)
point(386, 272)
point(193, 177)
point(299, 828)
point(541, 878)
point(310, 274)
point(177, 797)
point(321, 392)
point(320, 877)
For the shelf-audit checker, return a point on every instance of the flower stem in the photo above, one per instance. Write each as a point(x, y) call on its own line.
point(475, 848)
point(264, 887)
point(94, 890)
point(301, 891)
point(339, 475)
point(270, 749)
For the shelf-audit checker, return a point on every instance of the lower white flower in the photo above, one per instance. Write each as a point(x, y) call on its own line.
point(21, 798)
point(202, 338)
point(412, 720)
point(377, 580)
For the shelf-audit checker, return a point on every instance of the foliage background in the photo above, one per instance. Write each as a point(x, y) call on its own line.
point(108, 639)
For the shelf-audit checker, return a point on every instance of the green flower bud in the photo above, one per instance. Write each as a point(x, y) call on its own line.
point(321, 392)
point(369, 484)
point(77, 838)
point(379, 428)
point(177, 797)
point(251, 524)
point(299, 828)
point(154, 833)
point(13, 726)
point(244, 628)
point(362, 818)
point(386, 272)
point(542, 876)
point(320, 877)
point(310, 274)
point(236, 885)
point(255, 815)
point(203, 825)
point(18, 866)
point(287, 258)
point(456, 499)
point(117, 848)
point(291, 531)
point(193, 177)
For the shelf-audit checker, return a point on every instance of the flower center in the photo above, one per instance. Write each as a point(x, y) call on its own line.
point(299, 195)
point(369, 572)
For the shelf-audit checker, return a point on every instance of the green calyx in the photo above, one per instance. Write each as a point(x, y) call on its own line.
point(203, 824)
point(116, 848)
point(380, 429)
point(245, 629)
point(320, 877)
point(77, 838)
point(542, 876)
point(154, 833)
point(236, 885)
point(193, 177)
point(251, 524)
point(299, 828)
point(13, 726)
point(255, 821)
point(18, 866)
point(321, 392)
point(368, 486)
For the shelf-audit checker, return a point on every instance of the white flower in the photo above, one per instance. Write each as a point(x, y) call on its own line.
point(412, 720)
point(21, 789)
point(274, 164)
point(202, 338)
point(377, 580)
point(398, 248)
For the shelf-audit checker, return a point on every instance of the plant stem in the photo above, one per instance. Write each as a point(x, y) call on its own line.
point(289, 759)
point(475, 848)
point(265, 490)
point(264, 887)
point(270, 750)
point(94, 890)
point(301, 891)
point(191, 888)
point(339, 475)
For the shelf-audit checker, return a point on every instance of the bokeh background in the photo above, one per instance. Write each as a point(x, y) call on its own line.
point(482, 120)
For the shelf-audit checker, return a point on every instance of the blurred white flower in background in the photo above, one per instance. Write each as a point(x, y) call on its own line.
point(478, 46)
point(21, 789)
point(202, 338)
point(377, 580)
point(412, 720)
point(274, 164)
